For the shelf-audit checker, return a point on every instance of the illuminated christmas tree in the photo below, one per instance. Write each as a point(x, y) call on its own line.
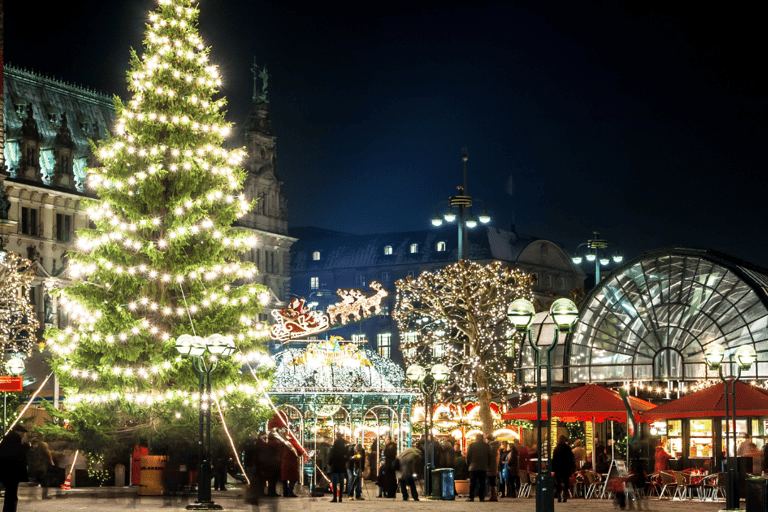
point(457, 316)
point(163, 258)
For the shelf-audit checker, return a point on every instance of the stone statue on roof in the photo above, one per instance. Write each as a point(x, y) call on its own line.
point(260, 96)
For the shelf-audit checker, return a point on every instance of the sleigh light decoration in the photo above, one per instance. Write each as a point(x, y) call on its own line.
point(355, 304)
point(297, 320)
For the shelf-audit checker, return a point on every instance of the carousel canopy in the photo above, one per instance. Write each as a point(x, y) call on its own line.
point(333, 367)
point(710, 403)
point(586, 403)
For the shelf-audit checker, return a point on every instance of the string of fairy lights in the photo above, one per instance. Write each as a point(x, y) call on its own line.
point(461, 309)
point(172, 105)
point(18, 321)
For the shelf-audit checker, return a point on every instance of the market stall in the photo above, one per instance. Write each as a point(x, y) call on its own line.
point(694, 425)
point(590, 403)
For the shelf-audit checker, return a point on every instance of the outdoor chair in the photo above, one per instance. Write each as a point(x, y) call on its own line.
point(593, 484)
point(713, 486)
point(525, 484)
point(668, 484)
point(693, 482)
point(681, 489)
point(652, 485)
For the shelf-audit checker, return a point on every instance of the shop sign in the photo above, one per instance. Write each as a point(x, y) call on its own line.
point(9, 383)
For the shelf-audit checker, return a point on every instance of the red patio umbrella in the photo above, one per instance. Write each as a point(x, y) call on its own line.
point(587, 403)
point(710, 402)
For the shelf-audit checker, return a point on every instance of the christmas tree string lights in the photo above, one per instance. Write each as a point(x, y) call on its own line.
point(162, 253)
point(457, 316)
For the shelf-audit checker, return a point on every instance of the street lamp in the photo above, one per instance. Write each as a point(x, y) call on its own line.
point(463, 214)
point(15, 367)
point(428, 381)
point(521, 314)
point(596, 253)
point(745, 358)
point(215, 347)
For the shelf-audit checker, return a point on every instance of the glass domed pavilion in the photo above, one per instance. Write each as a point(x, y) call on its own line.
point(653, 318)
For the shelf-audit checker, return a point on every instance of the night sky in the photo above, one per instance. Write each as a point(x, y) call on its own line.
point(646, 124)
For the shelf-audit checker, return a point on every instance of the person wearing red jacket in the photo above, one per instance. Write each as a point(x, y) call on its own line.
point(289, 469)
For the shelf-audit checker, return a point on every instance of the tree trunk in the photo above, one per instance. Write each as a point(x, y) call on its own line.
point(484, 399)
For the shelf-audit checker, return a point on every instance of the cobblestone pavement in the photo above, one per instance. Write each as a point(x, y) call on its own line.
point(107, 499)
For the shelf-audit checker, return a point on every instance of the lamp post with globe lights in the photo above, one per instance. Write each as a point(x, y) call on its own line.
point(428, 382)
point(521, 314)
point(462, 202)
point(205, 354)
point(745, 358)
point(596, 253)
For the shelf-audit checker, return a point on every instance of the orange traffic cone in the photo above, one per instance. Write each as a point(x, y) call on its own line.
point(67, 486)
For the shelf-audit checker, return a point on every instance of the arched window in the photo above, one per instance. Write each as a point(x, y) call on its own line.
point(316, 256)
point(414, 248)
point(387, 249)
point(440, 246)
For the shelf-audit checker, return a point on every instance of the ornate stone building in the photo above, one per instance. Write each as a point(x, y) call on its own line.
point(48, 125)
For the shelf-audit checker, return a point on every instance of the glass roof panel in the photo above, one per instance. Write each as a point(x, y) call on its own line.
point(683, 301)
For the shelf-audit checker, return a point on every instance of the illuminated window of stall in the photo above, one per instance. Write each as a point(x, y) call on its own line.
point(741, 433)
point(701, 438)
point(759, 434)
point(659, 428)
point(674, 434)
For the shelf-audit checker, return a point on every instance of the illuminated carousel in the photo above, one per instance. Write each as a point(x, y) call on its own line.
point(334, 386)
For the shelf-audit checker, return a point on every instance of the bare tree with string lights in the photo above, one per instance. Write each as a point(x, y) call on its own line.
point(457, 316)
point(18, 322)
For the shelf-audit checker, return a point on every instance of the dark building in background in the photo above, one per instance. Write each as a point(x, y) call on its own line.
point(323, 261)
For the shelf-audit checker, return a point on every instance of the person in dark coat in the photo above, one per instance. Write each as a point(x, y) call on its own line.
point(524, 462)
point(388, 478)
point(357, 465)
point(409, 464)
point(478, 456)
point(40, 462)
point(602, 464)
point(449, 455)
point(338, 466)
point(251, 460)
point(220, 458)
point(563, 465)
point(13, 465)
point(492, 473)
point(512, 462)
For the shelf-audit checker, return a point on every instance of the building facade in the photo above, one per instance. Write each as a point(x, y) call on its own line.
point(323, 261)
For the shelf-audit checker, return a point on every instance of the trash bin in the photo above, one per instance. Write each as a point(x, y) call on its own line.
point(152, 467)
point(757, 494)
point(442, 484)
